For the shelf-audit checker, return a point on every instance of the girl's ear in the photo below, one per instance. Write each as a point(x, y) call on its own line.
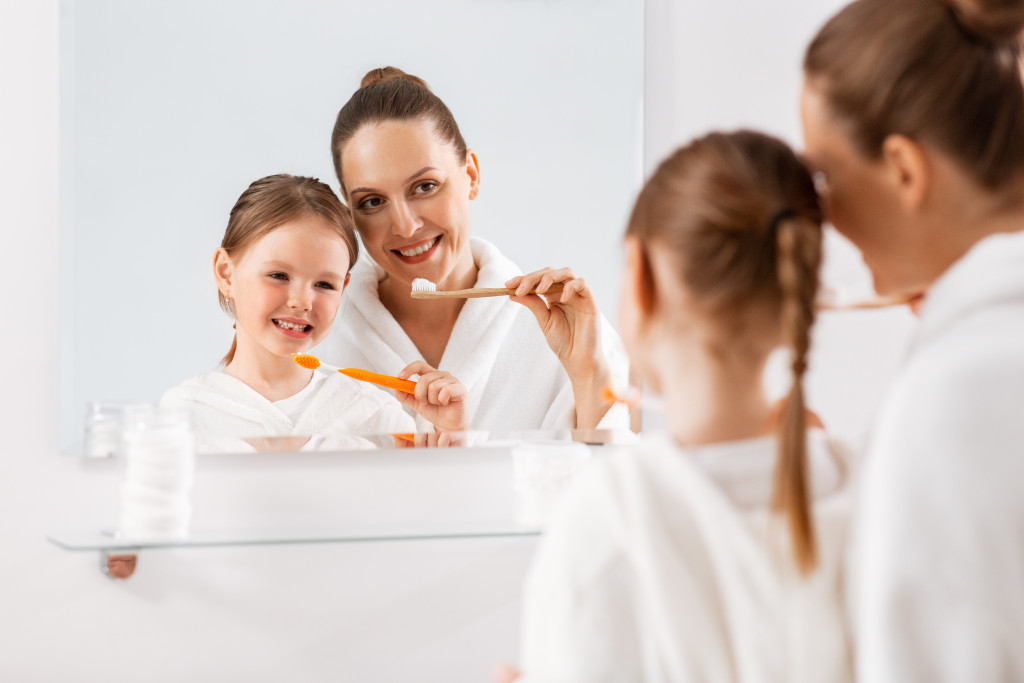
point(909, 169)
point(639, 277)
point(473, 171)
point(223, 271)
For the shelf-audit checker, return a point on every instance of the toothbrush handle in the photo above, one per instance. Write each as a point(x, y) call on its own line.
point(408, 386)
point(478, 292)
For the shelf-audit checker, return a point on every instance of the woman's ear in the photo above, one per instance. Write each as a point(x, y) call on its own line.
point(473, 171)
point(908, 168)
point(223, 271)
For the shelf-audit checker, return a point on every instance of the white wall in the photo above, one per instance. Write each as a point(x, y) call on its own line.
point(201, 616)
point(736, 64)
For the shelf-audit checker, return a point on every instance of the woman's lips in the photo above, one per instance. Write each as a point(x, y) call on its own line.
point(418, 253)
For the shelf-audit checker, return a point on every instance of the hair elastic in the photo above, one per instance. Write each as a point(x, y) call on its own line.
point(780, 216)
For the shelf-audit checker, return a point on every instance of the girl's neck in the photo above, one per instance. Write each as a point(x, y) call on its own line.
point(273, 377)
point(711, 400)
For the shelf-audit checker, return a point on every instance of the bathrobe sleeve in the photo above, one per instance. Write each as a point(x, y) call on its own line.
point(939, 550)
point(579, 619)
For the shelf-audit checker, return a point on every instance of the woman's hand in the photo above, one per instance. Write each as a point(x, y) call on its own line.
point(439, 397)
point(571, 323)
point(506, 673)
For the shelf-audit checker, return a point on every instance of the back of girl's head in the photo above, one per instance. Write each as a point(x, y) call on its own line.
point(269, 203)
point(390, 94)
point(738, 216)
point(944, 72)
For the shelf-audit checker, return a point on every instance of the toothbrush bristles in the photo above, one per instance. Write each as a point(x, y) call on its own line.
point(423, 285)
point(306, 360)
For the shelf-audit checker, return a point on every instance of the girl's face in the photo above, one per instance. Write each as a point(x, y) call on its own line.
point(286, 286)
point(857, 194)
point(409, 194)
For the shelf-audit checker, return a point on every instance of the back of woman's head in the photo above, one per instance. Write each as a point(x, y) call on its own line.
point(943, 72)
point(390, 94)
point(269, 203)
point(738, 216)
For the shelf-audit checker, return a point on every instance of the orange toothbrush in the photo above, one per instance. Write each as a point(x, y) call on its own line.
point(313, 363)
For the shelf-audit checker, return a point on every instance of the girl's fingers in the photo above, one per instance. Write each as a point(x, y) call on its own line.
point(417, 367)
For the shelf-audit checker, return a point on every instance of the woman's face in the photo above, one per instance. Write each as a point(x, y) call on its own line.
point(409, 193)
point(286, 287)
point(857, 194)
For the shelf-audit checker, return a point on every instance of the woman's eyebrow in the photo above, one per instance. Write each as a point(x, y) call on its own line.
point(408, 180)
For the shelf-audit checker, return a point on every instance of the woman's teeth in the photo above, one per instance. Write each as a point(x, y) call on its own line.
point(419, 250)
point(291, 326)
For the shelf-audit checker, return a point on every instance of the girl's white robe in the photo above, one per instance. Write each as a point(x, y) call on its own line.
point(665, 565)
point(226, 411)
point(496, 350)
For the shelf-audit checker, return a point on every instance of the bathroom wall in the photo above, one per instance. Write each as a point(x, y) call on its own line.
point(427, 611)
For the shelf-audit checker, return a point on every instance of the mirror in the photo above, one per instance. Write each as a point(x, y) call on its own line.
point(170, 110)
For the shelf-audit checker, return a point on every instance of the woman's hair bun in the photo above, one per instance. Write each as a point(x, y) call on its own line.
point(1000, 22)
point(390, 73)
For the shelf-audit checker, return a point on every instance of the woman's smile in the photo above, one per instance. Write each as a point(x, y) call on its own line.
point(419, 251)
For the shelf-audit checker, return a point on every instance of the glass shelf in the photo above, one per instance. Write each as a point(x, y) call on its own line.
point(109, 541)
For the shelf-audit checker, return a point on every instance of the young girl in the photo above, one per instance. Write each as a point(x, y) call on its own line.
point(712, 554)
point(281, 270)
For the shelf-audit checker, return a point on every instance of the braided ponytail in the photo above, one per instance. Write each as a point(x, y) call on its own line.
point(799, 256)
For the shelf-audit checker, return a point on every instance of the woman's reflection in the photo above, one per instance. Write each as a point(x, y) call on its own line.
point(281, 270)
point(408, 177)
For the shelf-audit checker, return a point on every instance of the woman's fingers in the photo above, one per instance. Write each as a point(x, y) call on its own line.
point(540, 281)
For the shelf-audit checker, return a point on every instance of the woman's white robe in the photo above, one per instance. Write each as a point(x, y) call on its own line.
point(496, 350)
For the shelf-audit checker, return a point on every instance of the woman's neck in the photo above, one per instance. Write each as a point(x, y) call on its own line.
point(273, 377)
point(709, 399)
point(429, 322)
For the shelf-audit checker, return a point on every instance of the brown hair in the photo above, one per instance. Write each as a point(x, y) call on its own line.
point(739, 214)
point(945, 72)
point(390, 94)
point(269, 203)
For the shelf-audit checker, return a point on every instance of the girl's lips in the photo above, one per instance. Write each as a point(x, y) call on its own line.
point(296, 334)
point(418, 258)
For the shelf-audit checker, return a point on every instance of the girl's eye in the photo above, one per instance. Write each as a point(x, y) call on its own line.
point(425, 187)
point(325, 285)
point(370, 203)
point(279, 276)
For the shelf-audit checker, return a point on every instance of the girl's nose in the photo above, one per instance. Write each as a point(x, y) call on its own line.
point(300, 298)
point(405, 222)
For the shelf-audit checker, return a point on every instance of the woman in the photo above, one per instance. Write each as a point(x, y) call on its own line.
point(408, 177)
point(913, 113)
point(713, 555)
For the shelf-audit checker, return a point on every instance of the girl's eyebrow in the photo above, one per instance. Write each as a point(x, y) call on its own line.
point(408, 180)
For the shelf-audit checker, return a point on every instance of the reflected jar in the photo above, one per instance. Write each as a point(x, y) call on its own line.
point(158, 448)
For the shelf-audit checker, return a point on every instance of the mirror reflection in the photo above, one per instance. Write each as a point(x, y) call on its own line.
point(504, 162)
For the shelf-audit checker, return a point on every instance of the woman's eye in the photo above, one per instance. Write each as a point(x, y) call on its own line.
point(370, 203)
point(425, 187)
point(820, 182)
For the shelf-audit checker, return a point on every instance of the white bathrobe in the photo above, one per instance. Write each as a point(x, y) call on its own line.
point(496, 350)
point(226, 411)
point(665, 565)
point(938, 562)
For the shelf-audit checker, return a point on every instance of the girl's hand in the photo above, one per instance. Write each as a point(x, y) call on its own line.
point(439, 397)
point(571, 323)
point(431, 440)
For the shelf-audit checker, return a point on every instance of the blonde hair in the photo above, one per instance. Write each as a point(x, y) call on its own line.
point(269, 203)
point(739, 213)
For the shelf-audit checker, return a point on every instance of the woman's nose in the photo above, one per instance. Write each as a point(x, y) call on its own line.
point(405, 222)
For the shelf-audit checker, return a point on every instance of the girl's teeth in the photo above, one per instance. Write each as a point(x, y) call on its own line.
point(419, 250)
point(290, 326)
